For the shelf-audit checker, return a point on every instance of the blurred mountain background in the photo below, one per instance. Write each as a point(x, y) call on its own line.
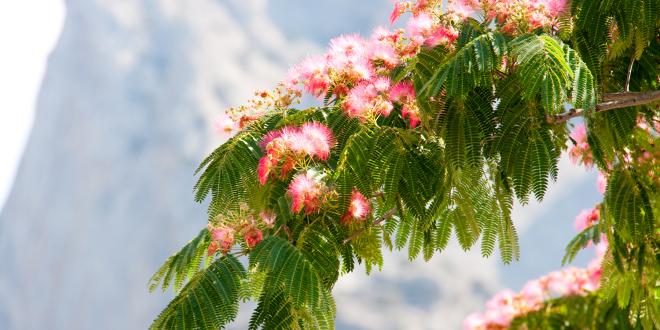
point(103, 192)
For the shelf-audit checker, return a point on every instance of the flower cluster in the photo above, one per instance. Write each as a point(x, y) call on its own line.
point(306, 191)
point(513, 16)
point(225, 229)
point(284, 148)
point(587, 218)
point(506, 305)
point(358, 209)
point(580, 152)
point(264, 102)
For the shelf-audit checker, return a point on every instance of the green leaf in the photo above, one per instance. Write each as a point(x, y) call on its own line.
point(208, 301)
point(182, 265)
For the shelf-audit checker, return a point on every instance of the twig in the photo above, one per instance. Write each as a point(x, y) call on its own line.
point(630, 67)
point(378, 221)
point(612, 101)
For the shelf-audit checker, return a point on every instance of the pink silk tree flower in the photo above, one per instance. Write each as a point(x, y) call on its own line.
point(475, 321)
point(253, 236)
point(358, 101)
point(459, 10)
point(305, 192)
point(420, 27)
point(224, 236)
point(382, 53)
point(601, 182)
point(268, 217)
point(402, 92)
point(358, 209)
point(399, 9)
point(319, 137)
point(264, 168)
point(442, 36)
point(312, 72)
point(555, 7)
point(586, 218)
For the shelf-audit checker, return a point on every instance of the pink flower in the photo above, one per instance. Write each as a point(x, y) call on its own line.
point(312, 73)
point(399, 9)
point(533, 292)
point(312, 139)
point(268, 218)
point(580, 152)
point(579, 134)
point(319, 137)
point(402, 92)
point(384, 35)
point(412, 112)
point(348, 46)
point(213, 248)
point(475, 321)
point(555, 7)
point(368, 99)
point(459, 9)
point(224, 126)
point(358, 101)
point(442, 36)
point(380, 52)
point(420, 27)
point(358, 209)
point(305, 192)
point(601, 182)
point(586, 218)
point(224, 236)
point(253, 236)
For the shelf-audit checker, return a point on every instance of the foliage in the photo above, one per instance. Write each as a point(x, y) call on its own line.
point(427, 133)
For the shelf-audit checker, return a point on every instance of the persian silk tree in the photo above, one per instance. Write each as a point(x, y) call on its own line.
point(432, 130)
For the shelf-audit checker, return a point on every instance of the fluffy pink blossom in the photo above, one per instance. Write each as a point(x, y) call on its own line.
point(580, 152)
point(224, 126)
point(223, 238)
point(383, 53)
point(264, 169)
point(555, 7)
point(368, 99)
point(358, 209)
point(319, 137)
point(399, 9)
point(459, 10)
point(252, 236)
point(312, 73)
point(283, 148)
point(349, 46)
point(402, 92)
point(586, 218)
point(384, 35)
point(268, 218)
point(533, 292)
point(506, 305)
point(305, 191)
point(475, 321)
point(601, 182)
point(420, 27)
point(442, 36)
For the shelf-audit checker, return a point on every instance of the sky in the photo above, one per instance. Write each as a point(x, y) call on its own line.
point(27, 36)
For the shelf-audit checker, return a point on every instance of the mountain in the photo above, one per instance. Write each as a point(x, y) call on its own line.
point(104, 190)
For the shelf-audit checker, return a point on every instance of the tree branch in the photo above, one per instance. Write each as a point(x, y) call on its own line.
point(630, 67)
point(378, 221)
point(610, 102)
